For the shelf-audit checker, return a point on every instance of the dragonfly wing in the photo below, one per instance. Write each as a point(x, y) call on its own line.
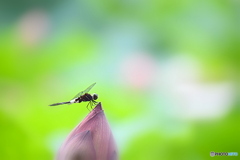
point(89, 88)
point(79, 94)
point(85, 91)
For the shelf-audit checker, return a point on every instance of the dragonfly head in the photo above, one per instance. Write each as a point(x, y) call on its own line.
point(95, 96)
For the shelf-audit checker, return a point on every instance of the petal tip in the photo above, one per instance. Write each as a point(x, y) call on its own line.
point(98, 107)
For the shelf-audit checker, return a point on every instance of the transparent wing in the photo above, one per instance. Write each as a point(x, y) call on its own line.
point(85, 91)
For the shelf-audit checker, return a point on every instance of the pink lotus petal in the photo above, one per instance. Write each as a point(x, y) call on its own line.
point(92, 139)
point(78, 147)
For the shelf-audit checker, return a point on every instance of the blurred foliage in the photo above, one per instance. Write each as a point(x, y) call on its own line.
point(51, 50)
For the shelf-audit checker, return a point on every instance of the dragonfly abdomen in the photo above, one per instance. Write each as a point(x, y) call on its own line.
point(55, 104)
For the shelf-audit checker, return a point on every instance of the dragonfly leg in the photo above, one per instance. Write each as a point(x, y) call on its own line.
point(91, 104)
point(94, 102)
point(87, 106)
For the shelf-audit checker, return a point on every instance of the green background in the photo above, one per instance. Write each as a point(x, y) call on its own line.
point(166, 71)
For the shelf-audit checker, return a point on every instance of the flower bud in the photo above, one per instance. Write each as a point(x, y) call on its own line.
point(92, 139)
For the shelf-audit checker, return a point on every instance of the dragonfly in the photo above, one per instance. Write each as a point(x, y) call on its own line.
point(82, 96)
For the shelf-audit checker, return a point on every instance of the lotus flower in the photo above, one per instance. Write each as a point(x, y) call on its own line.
point(92, 139)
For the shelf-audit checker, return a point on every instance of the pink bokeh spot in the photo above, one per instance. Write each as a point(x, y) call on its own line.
point(139, 70)
point(33, 27)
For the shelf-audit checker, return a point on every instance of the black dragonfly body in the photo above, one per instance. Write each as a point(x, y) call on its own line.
point(83, 96)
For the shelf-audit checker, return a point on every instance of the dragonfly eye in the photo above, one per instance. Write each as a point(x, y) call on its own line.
point(95, 96)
